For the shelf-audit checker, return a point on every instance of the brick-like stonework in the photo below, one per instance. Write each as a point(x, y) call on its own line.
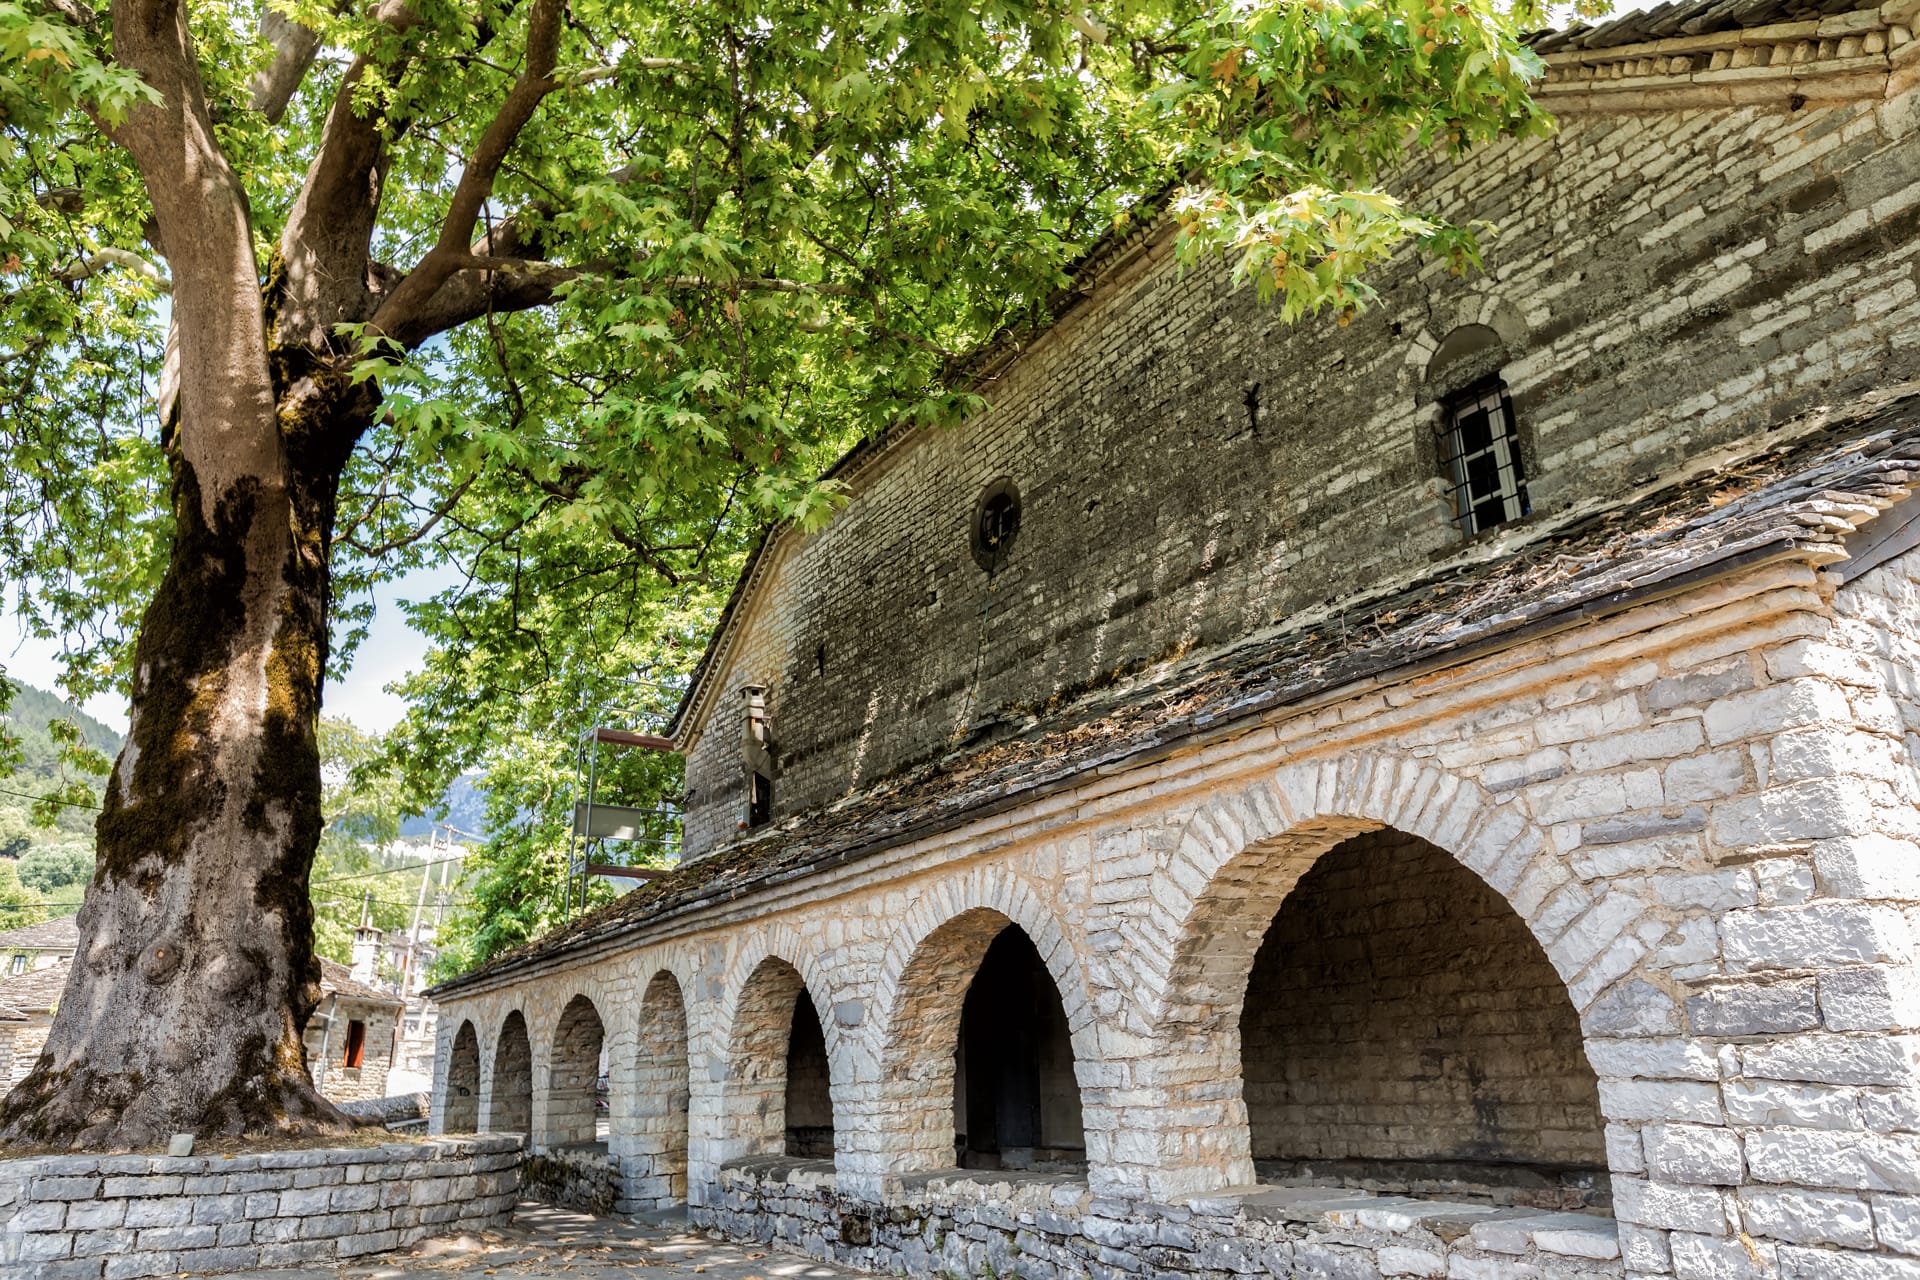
point(1662, 286)
point(1689, 820)
point(121, 1217)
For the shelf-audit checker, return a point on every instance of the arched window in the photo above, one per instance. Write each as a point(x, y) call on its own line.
point(1480, 451)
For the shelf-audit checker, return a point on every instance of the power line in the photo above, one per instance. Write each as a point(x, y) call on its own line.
point(28, 795)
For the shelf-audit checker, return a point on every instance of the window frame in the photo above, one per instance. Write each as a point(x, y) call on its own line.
point(1504, 445)
point(356, 1047)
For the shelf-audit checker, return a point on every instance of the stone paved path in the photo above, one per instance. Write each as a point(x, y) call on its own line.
point(553, 1244)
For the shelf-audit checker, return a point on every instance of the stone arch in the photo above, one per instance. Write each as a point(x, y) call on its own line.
point(1237, 859)
point(462, 1110)
point(510, 1096)
point(923, 1041)
point(766, 1021)
point(573, 1074)
point(656, 1168)
point(1399, 1015)
point(1014, 902)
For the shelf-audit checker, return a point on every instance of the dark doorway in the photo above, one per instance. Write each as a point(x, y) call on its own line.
point(1016, 1100)
point(809, 1101)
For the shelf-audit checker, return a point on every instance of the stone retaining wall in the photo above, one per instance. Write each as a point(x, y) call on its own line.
point(582, 1176)
point(120, 1217)
point(1045, 1227)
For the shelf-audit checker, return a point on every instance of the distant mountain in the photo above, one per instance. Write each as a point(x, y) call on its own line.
point(466, 802)
point(29, 713)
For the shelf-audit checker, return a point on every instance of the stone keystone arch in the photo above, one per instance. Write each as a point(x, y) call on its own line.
point(1238, 857)
point(763, 985)
point(923, 982)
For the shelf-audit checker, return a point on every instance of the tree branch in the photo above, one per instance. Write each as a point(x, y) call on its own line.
point(483, 166)
point(100, 259)
point(481, 285)
point(327, 243)
point(293, 49)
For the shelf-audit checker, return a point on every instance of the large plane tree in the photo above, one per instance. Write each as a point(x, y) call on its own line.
point(291, 288)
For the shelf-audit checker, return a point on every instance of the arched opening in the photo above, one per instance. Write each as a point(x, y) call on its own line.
point(511, 1096)
point(1403, 1030)
point(979, 1067)
point(657, 1170)
point(462, 1111)
point(779, 1099)
point(1016, 1100)
point(575, 1100)
point(809, 1120)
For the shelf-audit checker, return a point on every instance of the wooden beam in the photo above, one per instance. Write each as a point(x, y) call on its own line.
point(627, 738)
point(625, 873)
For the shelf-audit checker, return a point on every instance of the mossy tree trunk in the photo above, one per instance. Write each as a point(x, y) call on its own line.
point(195, 974)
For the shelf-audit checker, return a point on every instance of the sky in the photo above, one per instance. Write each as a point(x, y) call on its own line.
point(391, 650)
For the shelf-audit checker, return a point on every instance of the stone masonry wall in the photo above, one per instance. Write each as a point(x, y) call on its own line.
point(1042, 1228)
point(121, 1217)
point(1399, 1010)
point(1704, 809)
point(1663, 284)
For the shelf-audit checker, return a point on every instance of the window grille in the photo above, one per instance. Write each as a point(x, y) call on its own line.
point(1482, 453)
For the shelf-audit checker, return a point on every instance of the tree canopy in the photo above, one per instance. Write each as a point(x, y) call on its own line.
point(722, 242)
point(572, 297)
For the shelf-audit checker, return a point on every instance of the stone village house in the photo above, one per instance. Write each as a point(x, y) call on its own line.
point(1435, 796)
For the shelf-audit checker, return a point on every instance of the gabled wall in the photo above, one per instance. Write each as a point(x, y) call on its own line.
point(1664, 286)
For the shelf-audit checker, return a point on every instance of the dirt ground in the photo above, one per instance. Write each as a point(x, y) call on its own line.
point(553, 1244)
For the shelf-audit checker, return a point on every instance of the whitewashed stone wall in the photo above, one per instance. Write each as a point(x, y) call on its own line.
point(1706, 810)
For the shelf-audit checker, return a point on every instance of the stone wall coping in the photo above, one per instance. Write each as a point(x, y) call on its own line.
point(253, 1161)
point(1845, 55)
point(123, 1217)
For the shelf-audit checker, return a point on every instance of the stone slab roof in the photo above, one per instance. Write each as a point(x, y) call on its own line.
point(1825, 476)
point(36, 990)
point(337, 979)
point(62, 934)
point(1689, 18)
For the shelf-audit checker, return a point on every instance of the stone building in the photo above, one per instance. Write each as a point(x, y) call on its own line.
point(36, 946)
point(351, 1036)
point(26, 1016)
point(1435, 796)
